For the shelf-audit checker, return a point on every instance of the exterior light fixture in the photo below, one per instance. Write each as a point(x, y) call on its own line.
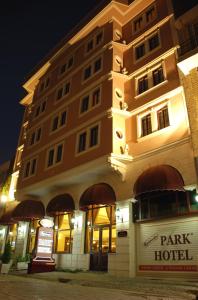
point(196, 197)
point(4, 198)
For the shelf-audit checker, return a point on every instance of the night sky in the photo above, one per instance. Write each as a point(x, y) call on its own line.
point(28, 31)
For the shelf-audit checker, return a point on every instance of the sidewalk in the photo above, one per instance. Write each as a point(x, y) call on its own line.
point(153, 287)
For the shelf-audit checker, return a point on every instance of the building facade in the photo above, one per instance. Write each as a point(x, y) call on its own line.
point(108, 146)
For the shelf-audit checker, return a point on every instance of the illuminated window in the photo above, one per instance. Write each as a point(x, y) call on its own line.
point(32, 234)
point(151, 43)
point(63, 238)
point(30, 168)
point(88, 139)
point(12, 235)
point(92, 69)
point(3, 231)
point(90, 101)
point(100, 229)
point(54, 155)
point(59, 121)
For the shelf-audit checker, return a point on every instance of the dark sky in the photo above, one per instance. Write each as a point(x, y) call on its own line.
point(28, 31)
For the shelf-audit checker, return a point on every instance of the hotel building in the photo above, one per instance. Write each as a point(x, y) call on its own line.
point(108, 145)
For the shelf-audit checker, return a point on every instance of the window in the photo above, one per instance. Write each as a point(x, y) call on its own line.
point(163, 117)
point(143, 84)
point(152, 78)
point(146, 125)
point(88, 139)
point(63, 238)
point(54, 155)
point(156, 119)
point(158, 76)
point(150, 43)
point(90, 101)
point(92, 69)
point(95, 41)
point(144, 19)
point(30, 168)
point(40, 108)
point(67, 65)
point(153, 42)
point(63, 91)
point(35, 137)
point(32, 234)
point(59, 121)
point(44, 84)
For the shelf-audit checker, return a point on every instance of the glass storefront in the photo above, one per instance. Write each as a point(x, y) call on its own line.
point(63, 235)
point(32, 234)
point(12, 235)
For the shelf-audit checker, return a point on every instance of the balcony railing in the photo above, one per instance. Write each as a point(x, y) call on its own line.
point(188, 45)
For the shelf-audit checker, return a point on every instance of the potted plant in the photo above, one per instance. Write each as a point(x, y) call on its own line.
point(22, 262)
point(6, 259)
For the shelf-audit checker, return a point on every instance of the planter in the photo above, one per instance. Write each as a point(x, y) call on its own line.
point(5, 268)
point(22, 265)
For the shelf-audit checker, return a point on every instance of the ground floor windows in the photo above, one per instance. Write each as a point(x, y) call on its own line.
point(12, 235)
point(100, 229)
point(32, 234)
point(3, 231)
point(63, 235)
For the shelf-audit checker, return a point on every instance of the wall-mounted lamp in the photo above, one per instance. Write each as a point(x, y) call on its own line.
point(196, 197)
point(4, 198)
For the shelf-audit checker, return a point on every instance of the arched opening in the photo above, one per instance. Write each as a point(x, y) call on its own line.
point(100, 239)
point(159, 192)
point(61, 208)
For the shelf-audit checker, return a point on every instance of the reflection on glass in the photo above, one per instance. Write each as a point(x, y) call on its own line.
point(12, 234)
point(63, 237)
point(113, 239)
point(105, 239)
point(2, 238)
point(32, 239)
point(95, 241)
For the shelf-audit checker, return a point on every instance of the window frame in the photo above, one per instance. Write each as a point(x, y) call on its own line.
point(66, 64)
point(63, 88)
point(40, 108)
point(54, 148)
point(30, 162)
point(59, 117)
point(90, 95)
point(57, 230)
point(35, 140)
point(143, 15)
point(93, 38)
point(88, 147)
point(91, 65)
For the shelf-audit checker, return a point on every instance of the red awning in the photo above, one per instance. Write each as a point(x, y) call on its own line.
point(100, 193)
point(158, 178)
point(28, 210)
point(6, 217)
point(60, 204)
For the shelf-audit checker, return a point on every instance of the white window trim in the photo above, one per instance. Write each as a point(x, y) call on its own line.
point(90, 107)
point(19, 155)
point(94, 38)
point(149, 72)
point(36, 133)
point(144, 22)
point(35, 109)
point(87, 147)
point(154, 124)
point(25, 165)
point(59, 120)
point(145, 42)
point(63, 86)
point(55, 148)
point(83, 81)
point(66, 63)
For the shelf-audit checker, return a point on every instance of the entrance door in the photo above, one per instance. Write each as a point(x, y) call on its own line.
point(100, 248)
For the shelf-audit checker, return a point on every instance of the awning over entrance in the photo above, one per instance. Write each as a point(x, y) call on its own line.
point(100, 193)
point(158, 178)
point(29, 209)
point(60, 204)
point(6, 218)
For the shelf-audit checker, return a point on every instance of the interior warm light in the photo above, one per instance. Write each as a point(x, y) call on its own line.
point(196, 197)
point(4, 198)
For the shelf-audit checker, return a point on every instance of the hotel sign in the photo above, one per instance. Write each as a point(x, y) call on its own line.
point(44, 244)
point(168, 246)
